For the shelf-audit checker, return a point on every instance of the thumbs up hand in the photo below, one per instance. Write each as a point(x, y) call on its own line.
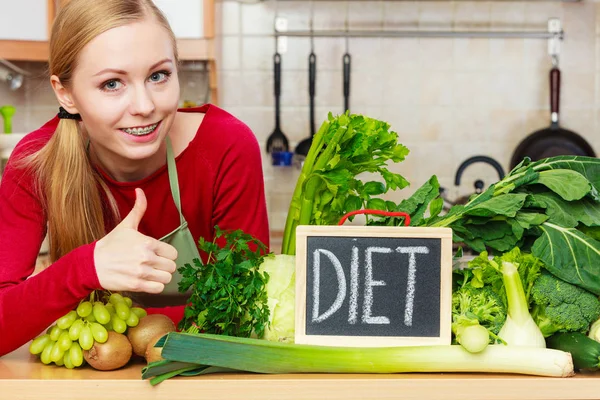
point(133, 219)
point(127, 260)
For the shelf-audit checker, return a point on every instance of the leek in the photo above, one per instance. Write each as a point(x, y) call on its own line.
point(255, 355)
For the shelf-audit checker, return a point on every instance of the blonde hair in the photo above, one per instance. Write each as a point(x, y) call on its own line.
point(75, 197)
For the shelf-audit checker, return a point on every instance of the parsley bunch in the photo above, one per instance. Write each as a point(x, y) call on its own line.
point(228, 293)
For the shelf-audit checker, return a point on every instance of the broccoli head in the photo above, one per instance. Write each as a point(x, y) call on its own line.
point(562, 307)
point(483, 306)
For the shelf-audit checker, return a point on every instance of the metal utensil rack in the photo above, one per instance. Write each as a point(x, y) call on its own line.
point(554, 34)
point(425, 34)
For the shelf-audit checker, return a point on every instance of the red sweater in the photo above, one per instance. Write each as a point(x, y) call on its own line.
point(221, 183)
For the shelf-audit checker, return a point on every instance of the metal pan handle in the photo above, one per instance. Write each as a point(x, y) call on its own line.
point(554, 93)
point(312, 79)
point(277, 86)
point(312, 73)
point(346, 60)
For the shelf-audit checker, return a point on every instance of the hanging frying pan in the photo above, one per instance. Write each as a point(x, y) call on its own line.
point(554, 140)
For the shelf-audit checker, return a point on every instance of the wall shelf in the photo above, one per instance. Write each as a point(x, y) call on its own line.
point(25, 50)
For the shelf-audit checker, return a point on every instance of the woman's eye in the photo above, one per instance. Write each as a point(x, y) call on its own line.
point(111, 85)
point(159, 76)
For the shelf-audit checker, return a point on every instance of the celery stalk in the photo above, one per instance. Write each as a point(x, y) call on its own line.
point(307, 186)
point(330, 185)
point(288, 245)
point(254, 355)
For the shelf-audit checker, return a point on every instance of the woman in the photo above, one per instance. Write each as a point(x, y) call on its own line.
point(96, 176)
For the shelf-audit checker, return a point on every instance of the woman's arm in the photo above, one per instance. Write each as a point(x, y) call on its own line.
point(29, 304)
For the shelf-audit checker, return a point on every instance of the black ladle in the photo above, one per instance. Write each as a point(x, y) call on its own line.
point(277, 141)
point(304, 146)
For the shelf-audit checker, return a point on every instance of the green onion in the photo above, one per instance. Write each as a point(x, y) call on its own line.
point(255, 355)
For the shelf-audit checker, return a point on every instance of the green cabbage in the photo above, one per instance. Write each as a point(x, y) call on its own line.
point(281, 292)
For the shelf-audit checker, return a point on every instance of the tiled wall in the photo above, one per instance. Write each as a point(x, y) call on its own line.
point(447, 98)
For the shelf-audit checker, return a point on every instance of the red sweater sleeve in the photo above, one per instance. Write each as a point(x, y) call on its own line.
point(28, 305)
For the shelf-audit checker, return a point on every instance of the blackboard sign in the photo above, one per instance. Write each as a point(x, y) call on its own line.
point(373, 286)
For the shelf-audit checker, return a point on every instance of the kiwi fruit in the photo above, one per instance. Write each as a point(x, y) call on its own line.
point(112, 354)
point(150, 326)
point(153, 353)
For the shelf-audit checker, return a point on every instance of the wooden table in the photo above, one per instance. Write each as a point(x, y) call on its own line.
point(24, 377)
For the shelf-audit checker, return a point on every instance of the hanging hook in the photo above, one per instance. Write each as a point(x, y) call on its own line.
point(275, 26)
point(347, 24)
point(311, 26)
point(555, 28)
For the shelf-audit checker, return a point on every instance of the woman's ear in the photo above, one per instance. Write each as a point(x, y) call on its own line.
point(63, 95)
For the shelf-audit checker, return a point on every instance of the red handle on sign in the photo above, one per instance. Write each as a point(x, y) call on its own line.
point(378, 212)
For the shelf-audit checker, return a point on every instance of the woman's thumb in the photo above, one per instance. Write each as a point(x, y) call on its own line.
point(132, 220)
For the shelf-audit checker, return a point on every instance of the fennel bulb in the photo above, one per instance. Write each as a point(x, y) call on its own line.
point(519, 329)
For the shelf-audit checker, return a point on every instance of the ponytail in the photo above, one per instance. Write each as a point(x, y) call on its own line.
point(74, 195)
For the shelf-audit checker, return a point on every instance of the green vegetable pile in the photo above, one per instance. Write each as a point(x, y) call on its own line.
point(542, 220)
point(550, 208)
point(534, 284)
point(542, 310)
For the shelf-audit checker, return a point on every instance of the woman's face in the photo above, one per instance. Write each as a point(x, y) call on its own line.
point(126, 88)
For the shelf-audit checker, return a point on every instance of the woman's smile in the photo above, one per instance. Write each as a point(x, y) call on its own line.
point(141, 130)
point(142, 134)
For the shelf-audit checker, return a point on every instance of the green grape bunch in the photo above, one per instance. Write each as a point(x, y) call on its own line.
point(65, 341)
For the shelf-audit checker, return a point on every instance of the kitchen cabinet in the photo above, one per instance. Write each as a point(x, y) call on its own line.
point(25, 20)
point(192, 22)
point(186, 17)
point(25, 29)
point(25, 38)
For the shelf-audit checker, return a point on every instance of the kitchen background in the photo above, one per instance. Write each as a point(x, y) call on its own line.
point(448, 98)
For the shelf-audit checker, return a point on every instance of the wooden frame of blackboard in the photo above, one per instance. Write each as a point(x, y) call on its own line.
point(445, 296)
